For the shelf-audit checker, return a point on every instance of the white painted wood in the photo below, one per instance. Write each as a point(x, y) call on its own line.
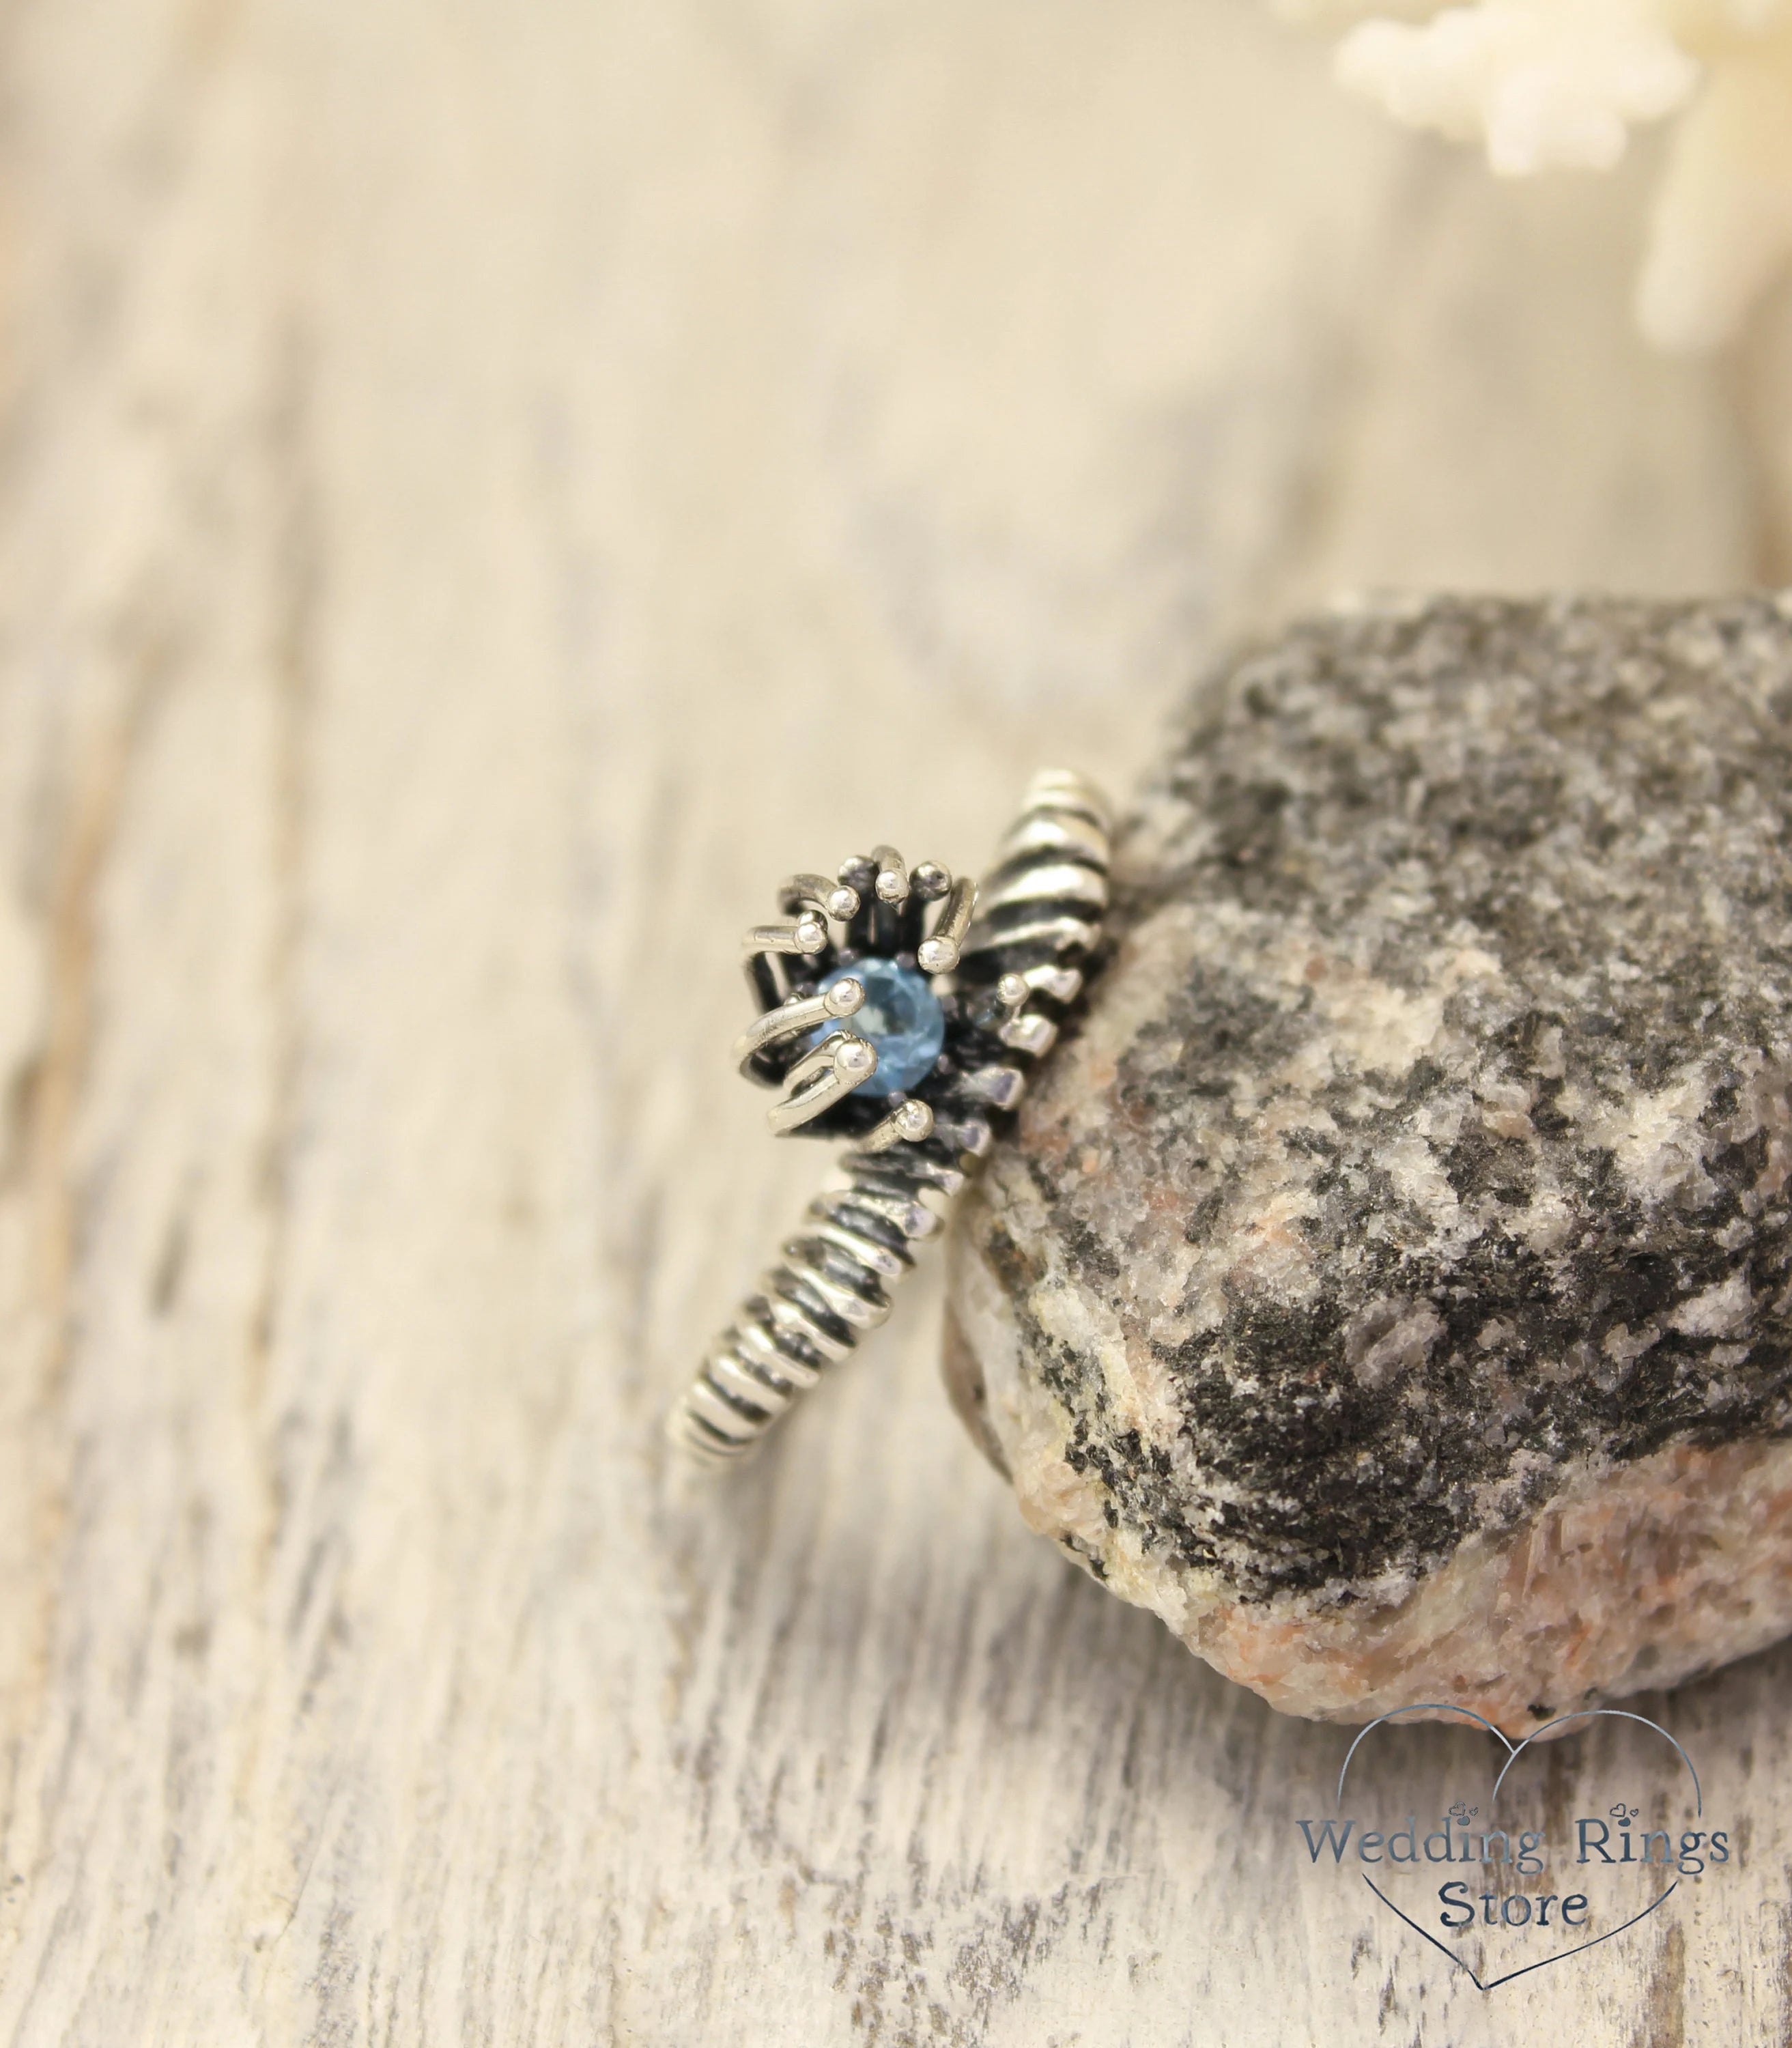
point(483, 491)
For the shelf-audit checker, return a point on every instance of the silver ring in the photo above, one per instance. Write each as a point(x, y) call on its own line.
point(901, 1010)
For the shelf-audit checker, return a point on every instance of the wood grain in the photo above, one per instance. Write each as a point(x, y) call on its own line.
point(482, 492)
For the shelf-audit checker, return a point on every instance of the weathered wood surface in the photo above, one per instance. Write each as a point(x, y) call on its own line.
point(483, 490)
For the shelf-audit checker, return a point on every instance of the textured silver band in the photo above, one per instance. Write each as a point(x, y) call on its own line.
point(1017, 950)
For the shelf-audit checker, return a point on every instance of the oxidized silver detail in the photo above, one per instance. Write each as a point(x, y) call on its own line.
point(1017, 949)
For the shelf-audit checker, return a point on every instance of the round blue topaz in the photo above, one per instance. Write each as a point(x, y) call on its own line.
point(902, 1017)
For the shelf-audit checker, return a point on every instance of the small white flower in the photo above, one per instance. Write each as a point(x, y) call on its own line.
point(1553, 84)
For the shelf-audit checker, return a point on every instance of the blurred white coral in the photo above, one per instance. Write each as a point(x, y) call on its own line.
point(1560, 82)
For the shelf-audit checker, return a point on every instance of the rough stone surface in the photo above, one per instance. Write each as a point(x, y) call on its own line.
point(1388, 1283)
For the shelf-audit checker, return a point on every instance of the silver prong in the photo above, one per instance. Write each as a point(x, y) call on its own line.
point(1026, 1031)
point(827, 1057)
point(968, 1134)
point(1062, 984)
point(812, 889)
point(1030, 1034)
point(1002, 1086)
point(836, 1068)
point(892, 884)
point(832, 899)
point(790, 1020)
point(939, 955)
point(929, 881)
point(1040, 908)
point(907, 1123)
point(807, 934)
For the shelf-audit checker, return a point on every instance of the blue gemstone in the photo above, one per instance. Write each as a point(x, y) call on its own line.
point(902, 1017)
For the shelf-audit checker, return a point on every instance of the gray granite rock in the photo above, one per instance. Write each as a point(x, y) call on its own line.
point(1388, 1282)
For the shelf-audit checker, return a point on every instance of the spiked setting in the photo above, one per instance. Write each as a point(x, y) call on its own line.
point(902, 1011)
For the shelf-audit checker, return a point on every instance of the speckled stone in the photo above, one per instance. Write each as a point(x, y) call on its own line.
point(1388, 1282)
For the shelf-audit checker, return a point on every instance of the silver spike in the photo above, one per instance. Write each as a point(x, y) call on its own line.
point(939, 953)
point(929, 880)
point(1025, 941)
point(1000, 1087)
point(1029, 1033)
point(792, 1020)
point(802, 936)
point(907, 1123)
point(836, 1068)
point(832, 899)
point(1062, 984)
point(892, 883)
point(967, 1135)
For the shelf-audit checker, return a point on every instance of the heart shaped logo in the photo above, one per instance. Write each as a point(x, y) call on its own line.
point(1527, 1918)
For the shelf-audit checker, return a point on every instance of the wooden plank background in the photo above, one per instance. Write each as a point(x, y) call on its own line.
point(483, 490)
